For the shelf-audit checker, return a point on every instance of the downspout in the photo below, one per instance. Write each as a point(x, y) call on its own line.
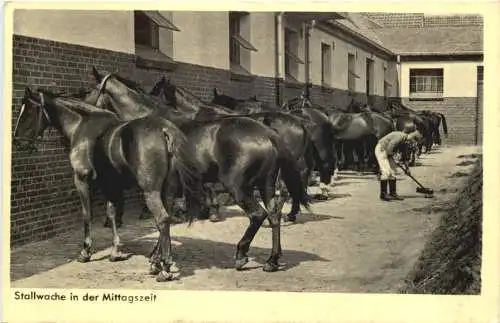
point(279, 57)
point(307, 61)
point(398, 68)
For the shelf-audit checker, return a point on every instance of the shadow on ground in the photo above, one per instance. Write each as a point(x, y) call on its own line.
point(197, 254)
point(42, 256)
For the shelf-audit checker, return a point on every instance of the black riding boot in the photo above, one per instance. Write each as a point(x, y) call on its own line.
point(392, 191)
point(383, 191)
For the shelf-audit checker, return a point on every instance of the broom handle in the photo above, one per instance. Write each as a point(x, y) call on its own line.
point(409, 175)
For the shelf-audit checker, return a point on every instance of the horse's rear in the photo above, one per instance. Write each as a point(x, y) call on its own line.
point(244, 154)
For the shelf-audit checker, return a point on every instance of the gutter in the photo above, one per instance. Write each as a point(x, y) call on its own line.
point(398, 67)
point(307, 62)
point(278, 59)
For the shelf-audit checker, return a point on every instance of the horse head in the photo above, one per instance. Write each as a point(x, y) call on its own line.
point(32, 121)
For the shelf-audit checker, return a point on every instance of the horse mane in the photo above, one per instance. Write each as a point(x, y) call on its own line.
point(148, 99)
point(75, 103)
point(130, 84)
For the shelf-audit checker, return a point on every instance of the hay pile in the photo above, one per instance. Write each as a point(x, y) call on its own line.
point(451, 261)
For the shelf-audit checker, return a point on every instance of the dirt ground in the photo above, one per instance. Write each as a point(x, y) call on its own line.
point(352, 243)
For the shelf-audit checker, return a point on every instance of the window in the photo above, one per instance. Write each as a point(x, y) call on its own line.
point(239, 33)
point(351, 72)
point(326, 64)
point(292, 59)
point(426, 82)
point(153, 35)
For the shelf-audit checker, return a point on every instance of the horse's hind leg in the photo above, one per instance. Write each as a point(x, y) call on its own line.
point(114, 208)
point(214, 206)
point(270, 201)
point(162, 219)
point(83, 188)
point(245, 198)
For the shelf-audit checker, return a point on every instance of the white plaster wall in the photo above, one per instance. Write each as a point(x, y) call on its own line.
point(112, 30)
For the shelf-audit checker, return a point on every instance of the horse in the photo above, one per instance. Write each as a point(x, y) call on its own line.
point(251, 105)
point(405, 117)
point(114, 155)
point(289, 128)
point(238, 152)
point(436, 120)
point(296, 135)
point(360, 128)
point(322, 134)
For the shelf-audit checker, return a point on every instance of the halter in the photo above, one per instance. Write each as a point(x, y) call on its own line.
point(102, 86)
point(41, 113)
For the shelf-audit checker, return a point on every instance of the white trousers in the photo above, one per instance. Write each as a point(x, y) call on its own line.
point(388, 167)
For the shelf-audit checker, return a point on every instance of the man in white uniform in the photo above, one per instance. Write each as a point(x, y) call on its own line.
point(384, 152)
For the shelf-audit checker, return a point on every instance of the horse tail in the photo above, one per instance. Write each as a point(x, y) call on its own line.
point(187, 173)
point(445, 126)
point(290, 174)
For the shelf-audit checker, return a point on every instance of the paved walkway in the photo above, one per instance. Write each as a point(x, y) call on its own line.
point(352, 243)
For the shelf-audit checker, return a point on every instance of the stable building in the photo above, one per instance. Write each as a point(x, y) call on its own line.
point(332, 57)
point(440, 59)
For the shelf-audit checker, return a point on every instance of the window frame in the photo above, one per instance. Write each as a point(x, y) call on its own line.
point(237, 42)
point(148, 52)
point(351, 72)
point(426, 83)
point(326, 64)
point(292, 57)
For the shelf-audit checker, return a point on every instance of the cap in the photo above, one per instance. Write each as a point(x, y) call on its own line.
point(415, 135)
point(409, 128)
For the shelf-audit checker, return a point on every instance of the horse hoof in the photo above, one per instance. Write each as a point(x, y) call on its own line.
point(290, 218)
point(176, 219)
point(214, 218)
point(107, 224)
point(164, 276)
point(154, 269)
point(239, 263)
point(270, 267)
point(83, 257)
point(322, 197)
point(120, 256)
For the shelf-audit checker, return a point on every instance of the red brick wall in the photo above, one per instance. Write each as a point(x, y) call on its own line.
point(460, 115)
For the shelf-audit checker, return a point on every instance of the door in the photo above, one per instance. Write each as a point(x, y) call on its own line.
point(369, 83)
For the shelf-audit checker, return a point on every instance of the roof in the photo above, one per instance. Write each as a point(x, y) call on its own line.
point(420, 34)
point(412, 20)
point(433, 40)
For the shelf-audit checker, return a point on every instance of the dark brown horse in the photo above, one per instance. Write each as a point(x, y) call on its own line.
point(356, 129)
point(239, 152)
point(436, 119)
point(289, 128)
point(115, 155)
point(294, 131)
point(250, 105)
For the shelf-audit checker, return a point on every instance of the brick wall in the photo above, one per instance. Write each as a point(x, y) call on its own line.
point(460, 115)
point(44, 202)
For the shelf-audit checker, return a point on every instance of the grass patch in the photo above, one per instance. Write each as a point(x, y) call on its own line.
point(470, 156)
point(465, 163)
point(459, 174)
point(451, 260)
